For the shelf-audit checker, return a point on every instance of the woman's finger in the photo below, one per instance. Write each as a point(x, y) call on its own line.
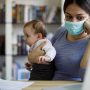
point(87, 26)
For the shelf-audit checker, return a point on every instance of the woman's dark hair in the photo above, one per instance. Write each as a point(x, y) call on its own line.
point(84, 4)
point(38, 26)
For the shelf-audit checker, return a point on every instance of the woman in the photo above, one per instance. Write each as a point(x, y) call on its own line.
point(70, 41)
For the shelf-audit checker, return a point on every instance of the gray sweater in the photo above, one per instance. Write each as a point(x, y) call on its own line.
point(68, 56)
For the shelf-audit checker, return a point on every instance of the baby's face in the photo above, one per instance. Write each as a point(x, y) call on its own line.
point(30, 36)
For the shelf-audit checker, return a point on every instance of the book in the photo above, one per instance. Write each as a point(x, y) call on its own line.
point(35, 12)
point(2, 44)
point(23, 74)
point(21, 46)
point(54, 15)
point(2, 13)
point(18, 14)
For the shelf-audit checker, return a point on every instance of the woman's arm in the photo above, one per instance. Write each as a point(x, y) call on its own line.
point(86, 57)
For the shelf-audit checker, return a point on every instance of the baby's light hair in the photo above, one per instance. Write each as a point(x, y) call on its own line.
point(38, 26)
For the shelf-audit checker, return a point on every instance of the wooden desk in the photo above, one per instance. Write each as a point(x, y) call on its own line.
point(39, 85)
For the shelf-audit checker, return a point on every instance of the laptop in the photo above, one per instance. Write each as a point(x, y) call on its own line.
point(77, 86)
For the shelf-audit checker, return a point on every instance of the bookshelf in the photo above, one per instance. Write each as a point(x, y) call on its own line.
point(21, 11)
point(24, 13)
point(2, 38)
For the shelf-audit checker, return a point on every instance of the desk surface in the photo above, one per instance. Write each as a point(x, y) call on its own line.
point(39, 85)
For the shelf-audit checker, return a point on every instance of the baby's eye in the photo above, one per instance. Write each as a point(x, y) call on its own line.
point(27, 35)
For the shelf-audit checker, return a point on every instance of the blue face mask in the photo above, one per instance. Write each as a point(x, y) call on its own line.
point(74, 28)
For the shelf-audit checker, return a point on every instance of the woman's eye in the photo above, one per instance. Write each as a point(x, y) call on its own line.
point(68, 17)
point(80, 18)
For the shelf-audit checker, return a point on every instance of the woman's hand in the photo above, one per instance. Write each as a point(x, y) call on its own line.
point(33, 55)
point(87, 26)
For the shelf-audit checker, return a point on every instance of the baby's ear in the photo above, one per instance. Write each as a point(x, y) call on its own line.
point(40, 36)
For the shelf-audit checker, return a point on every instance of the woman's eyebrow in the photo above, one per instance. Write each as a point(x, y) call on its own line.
point(67, 13)
point(76, 14)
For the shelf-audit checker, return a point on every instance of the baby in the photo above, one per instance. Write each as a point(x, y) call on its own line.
point(35, 35)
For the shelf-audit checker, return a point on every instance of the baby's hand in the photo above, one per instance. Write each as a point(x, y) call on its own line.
point(42, 60)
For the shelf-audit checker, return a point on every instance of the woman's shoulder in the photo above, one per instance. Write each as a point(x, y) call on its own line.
point(61, 29)
point(59, 33)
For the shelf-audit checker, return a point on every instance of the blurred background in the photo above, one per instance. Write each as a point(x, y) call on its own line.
point(13, 15)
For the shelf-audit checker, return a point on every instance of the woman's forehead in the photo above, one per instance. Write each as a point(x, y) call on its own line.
point(74, 9)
